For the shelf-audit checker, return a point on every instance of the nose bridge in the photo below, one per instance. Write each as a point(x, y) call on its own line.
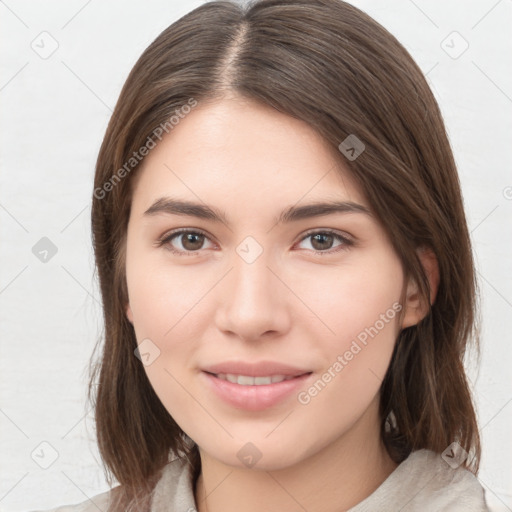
point(252, 279)
point(253, 303)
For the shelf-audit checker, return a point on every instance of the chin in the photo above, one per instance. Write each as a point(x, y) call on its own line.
point(261, 454)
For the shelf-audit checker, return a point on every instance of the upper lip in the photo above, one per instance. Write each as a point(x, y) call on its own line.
point(260, 369)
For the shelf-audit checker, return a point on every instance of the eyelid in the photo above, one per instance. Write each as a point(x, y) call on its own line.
point(346, 239)
point(169, 235)
point(343, 235)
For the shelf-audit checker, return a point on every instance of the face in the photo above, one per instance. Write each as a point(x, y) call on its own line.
point(255, 293)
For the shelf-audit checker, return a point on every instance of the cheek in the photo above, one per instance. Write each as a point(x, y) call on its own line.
point(355, 361)
point(361, 310)
point(357, 296)
point(162, 298)
point(165, 306)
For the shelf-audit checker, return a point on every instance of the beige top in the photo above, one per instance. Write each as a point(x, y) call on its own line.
point(423, 482)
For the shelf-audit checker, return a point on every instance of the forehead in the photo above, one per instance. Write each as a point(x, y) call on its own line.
point(245, 153)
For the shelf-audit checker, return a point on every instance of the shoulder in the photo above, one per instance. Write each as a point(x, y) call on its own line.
point(447, 487)
point(425, 482)
point(174, 489)
point(98, 502)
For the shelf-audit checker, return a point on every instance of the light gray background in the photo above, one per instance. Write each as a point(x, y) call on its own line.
point(54, 114)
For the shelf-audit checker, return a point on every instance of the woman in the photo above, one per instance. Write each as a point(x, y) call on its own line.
point(286, 273)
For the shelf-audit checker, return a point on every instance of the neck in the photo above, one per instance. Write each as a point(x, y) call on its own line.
point(335, 478)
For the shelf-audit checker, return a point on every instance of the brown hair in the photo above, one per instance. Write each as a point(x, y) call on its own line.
point(331, 65)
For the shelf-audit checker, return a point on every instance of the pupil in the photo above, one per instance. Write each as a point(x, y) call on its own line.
point(320, 237)
point(189, 238)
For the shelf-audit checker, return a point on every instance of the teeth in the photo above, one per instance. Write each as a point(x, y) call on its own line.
point(246, 380)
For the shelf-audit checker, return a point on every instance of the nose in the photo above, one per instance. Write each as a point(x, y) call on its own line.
point(253, 302)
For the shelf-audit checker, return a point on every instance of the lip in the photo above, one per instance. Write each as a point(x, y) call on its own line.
point(257, 397)
point(260, 369)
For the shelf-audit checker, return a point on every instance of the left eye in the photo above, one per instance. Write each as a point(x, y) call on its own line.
point(192, 241)
point(322, 241)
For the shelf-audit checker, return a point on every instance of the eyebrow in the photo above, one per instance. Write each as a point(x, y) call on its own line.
point(172, 206)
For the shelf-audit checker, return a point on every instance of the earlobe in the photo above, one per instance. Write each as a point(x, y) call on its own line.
point(415, 307)
point(431, 266)
point(129, 313)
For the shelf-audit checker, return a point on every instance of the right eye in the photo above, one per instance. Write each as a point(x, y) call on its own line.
point(191, 241)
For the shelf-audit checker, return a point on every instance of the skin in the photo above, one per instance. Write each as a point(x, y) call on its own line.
point(289, 305)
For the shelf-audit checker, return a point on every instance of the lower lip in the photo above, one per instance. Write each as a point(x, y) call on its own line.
point(254, 398)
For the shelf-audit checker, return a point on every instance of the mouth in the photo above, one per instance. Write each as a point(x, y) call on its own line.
point(248, 380)
point(254, 392)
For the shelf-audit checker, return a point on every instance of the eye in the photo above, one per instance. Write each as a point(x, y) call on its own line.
point(191, 241)
point(322, 241)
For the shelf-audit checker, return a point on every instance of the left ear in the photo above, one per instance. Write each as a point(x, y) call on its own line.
point(415, 307)
point(129, 313)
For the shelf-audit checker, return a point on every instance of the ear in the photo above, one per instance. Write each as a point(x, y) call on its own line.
point(129, 313)
point(415, 307)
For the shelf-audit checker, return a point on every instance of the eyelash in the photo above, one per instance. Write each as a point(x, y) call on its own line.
point(165, 239)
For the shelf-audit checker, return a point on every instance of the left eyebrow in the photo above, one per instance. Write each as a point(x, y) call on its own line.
point(294, 213)
point(173, 206)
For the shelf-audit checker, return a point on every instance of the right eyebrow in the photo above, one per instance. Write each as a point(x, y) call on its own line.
point(171, 206)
